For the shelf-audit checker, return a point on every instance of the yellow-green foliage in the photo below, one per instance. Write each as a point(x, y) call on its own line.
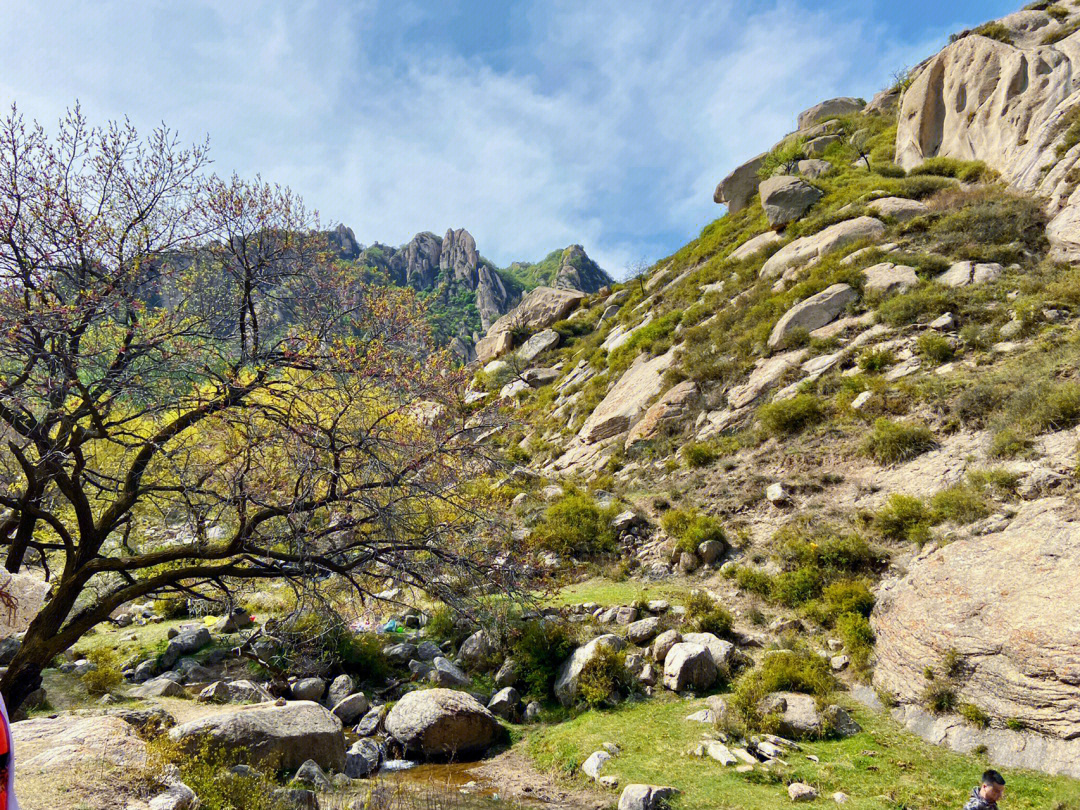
point(706, 615)
point(797, 670)
point(894, 442)
point(691, 528)
point(788, 416)
point(575, 524)
point(603, 676)
point(206, 771)
point(106, 675)
point(539, 648)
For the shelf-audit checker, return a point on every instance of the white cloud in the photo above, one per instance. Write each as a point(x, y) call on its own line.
point(611, 133)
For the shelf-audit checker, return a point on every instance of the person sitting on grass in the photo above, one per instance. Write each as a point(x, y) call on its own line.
point(988, 794)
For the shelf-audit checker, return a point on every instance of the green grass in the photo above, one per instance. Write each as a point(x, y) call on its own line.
point(606, 592)
point(902, 772)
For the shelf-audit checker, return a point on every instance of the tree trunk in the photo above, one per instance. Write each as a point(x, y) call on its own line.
point(23, 675)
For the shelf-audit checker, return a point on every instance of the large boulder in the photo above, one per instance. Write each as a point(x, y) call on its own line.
point(886, 278)
point(627, 402)
point(689, 666)
point(737, 190)
point(278, 737)
point(785, 199)
point(807, 249)
point(674, 405)
point(568, 680)
point(831, 108)
point(1004, 608)
point(797, 715)
point(478, 651)
point(663, 643)
point(442, 722)
point(964, 274)
point(493, 346)
point(724, 654)
point(814, 312)
point(537, 345)
point(539, 309)
point(897, 208)
point(1008, 105)
point(755, 245)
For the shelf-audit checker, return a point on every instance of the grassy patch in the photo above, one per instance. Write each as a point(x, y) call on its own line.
point(884, 767)
point(789, 416)
point(895, 442)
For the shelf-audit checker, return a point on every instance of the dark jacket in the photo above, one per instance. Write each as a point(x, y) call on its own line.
point(977, 802)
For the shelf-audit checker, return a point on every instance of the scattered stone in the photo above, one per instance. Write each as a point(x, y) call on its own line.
point(312, 775)
point(308, 689)
point(189, 640)
point(860, 401)
point(362, 759)
point(963, 274)
point(807, 249)
point(897, 208)
point(943, 323)
point(372, 721)
point(445, 673)
point(610, 782)
point(710, 551)
point(646, 797)
point(758, 243)
point(532, 712)
point(814, 168)
point(801, 792)
point(703, 716)
point(721, 753)
point(592, 765)
point(642, 631)
point(840, 721)
point(507, 674)
point(797, 714)
point(160, 687)
point(537, 345)
point(839, 663)
point(888, 278)
point(505, 703)
point(350, 709)
point(777, 495)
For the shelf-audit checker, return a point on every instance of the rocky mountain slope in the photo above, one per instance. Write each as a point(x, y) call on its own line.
point(467, 293)
point(877, 341)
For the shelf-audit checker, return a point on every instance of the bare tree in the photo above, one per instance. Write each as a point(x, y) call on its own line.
point(191, 394)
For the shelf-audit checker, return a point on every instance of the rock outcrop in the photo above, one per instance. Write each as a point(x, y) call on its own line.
point(1008, 105)
point(626, 403)
point(737, 190)
point(1004, 608)
point(278, 737)
point(813, 313)
point(442, 722)
point(785, 199)
point(808, 249)
point(832, 108)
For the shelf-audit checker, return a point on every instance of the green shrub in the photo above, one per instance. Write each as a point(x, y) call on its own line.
point(1009, 443)
point(858, 637)
point(205, 771)
point(789, 416)
point(443, 625)
point(847, 596)
point(750, 579)
point(894, 442)
point(575, 524)
point(106, 675)
point(539, 649)
point(974, 715)
point(783, 158)
point(904, 517)
point(967, 171)
point(794, 588)
point(939, 697)
point(705, 615)
point(1058, 408)
point(997, 480)
point(318, 642)
point(835, 552)
point(876, 359)
point(691, 528)
point(935, 348)
point(699, 454)
point(994, 30)
point(171, 607)
point(603, 676)
point(797, 670)
point(909, 307)
point(1054, 37)
point(960, 503)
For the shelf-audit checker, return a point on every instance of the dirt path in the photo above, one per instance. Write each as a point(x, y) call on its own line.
point(513, 776)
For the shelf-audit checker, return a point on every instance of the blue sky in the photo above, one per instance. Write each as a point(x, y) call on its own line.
point(533, 123)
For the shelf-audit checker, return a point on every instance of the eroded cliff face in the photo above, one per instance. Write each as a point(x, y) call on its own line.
point(1009, 104)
